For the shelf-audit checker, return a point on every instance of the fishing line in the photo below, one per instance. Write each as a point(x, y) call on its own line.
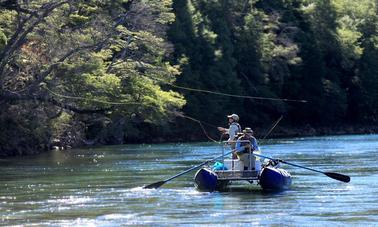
point(93, 99)
point(199, 122)
point(226, 94)
point(192, 118)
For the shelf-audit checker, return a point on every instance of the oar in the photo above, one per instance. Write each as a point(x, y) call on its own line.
point(336, 176)
point(160, 183)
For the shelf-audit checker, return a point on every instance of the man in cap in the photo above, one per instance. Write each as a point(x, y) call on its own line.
point(245, 145)
point(233, 130)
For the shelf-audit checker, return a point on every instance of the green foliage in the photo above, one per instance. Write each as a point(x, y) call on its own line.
point(199, 34)
point(105, 71)
point(3, 40)
point(84, 60)
point(320, 51)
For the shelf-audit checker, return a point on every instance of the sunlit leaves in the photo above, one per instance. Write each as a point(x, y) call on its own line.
point(91, 57)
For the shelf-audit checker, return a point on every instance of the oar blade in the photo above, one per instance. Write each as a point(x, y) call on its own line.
point(338, 176)
point(154, 185)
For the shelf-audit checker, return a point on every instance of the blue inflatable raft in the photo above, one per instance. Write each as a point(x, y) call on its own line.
point(218, 178)
point(274, 179)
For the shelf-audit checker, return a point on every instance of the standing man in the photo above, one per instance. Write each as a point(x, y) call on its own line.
point(233, 130)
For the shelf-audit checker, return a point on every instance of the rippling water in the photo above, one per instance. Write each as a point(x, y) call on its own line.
point(103, 187)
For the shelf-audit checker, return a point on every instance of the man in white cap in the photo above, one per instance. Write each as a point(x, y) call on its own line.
point(233, 130)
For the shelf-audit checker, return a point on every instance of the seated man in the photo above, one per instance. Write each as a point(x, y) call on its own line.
point(245, 145)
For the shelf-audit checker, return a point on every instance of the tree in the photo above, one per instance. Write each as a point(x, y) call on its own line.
point(204, 49)
point(366, 105)
point(85, 60)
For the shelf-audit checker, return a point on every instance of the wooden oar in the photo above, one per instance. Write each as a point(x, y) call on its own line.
point(336, 176)
point(160, 183)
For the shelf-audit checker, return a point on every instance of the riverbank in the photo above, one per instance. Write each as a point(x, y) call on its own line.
point(199, 135)
point(309, 130)
point(278, 132)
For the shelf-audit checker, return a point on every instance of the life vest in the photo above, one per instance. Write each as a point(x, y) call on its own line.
point(242, 144)
point(251, 142)
point(238, 130)
point(238, 125)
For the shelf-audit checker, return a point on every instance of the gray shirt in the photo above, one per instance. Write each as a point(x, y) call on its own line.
point(233, 131)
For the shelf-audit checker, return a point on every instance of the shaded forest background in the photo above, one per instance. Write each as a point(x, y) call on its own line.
point(76, 73)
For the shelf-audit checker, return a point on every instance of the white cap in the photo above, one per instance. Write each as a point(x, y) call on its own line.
point(234, 116)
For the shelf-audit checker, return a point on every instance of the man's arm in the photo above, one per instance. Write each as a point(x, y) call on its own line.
point(221, 129)
point(254, 145)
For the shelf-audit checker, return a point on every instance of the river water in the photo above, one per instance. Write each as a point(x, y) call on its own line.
point(103, 187)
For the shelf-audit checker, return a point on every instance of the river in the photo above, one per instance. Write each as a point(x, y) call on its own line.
point(103, 186)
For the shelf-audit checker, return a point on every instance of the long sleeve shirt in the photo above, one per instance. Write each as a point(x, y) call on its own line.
point(233, 131)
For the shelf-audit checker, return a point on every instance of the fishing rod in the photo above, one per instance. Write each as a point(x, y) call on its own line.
point(274, 126)
point(336, 176)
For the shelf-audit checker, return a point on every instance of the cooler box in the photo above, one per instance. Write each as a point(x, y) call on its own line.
point(235, 164)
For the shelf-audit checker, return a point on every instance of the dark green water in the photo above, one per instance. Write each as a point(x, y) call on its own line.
point(102, 187)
